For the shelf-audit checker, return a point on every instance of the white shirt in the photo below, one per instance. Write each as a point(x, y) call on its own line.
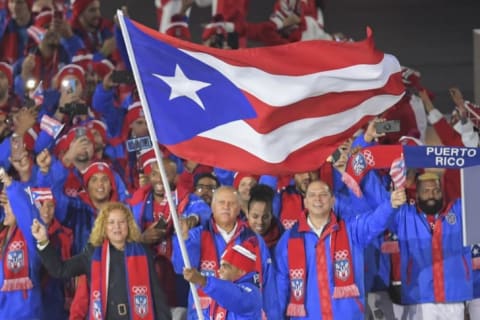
point(227, 236)
point(318, 231)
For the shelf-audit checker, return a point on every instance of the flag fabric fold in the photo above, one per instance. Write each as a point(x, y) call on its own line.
point(274, 110)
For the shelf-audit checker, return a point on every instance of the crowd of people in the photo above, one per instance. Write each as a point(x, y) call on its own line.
point(87, 230)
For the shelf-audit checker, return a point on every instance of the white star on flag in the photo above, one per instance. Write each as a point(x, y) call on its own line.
point(182, 86)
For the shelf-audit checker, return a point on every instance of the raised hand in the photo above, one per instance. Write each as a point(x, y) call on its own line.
point(39, 231)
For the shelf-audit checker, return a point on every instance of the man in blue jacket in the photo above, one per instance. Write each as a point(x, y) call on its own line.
point(206, 244)
point(436, 269)
point(320, 260)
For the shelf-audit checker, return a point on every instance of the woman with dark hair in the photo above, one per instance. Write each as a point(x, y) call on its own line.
point(112, 261)
point(260, 216)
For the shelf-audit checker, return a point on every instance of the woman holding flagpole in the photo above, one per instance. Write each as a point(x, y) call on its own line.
point(112, 261)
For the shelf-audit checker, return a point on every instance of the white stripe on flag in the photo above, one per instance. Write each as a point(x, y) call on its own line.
point(291, 89)
point(275, 146)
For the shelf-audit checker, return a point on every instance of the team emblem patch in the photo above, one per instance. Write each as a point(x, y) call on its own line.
point(359, 164)
point(15, 258)
point(342, 266)
point(451, 218)
point(207, 268)
point(296, 282)
point(97, 306)
point(141, 300)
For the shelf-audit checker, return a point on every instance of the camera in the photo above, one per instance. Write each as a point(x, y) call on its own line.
point(122, 77)
point(74, 108)
point(80, 132)
point(138, 144)
point(218, 41)
point(70, 85)
point(387, 126)
point(161, 224)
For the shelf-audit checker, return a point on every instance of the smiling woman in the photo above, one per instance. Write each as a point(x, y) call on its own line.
point(114, 241)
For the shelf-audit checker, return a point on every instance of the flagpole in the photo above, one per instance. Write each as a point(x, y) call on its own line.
point(158, 156)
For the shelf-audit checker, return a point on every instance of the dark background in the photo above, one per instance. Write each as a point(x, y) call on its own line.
point(432, 36)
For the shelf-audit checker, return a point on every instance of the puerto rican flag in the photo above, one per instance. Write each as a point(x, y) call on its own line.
point(398, 173)
point(275, 110)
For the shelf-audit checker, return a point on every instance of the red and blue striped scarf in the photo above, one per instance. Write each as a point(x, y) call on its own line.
point(138, 283)
point(15, 261)
point(340, 258)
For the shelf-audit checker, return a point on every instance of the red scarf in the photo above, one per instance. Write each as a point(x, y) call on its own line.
point(45, 69)
point(292, 203)
point(138, 283)
point(390, 246)
point(209, 265)
point(272, 235)
point(15, 261)
point(341, 258)
point(374, 157)
point(9, 47)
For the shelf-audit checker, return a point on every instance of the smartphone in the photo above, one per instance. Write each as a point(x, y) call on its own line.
point(336, 155)
point(122, 77)
point(387, 126)
point(161, 224)
point(70, 85)
point(80, 132)
point(17, 147)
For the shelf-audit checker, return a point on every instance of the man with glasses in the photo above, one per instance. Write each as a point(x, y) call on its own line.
point(198, 203)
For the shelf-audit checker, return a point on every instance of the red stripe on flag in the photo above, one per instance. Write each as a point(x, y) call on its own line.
point(224, 155)
point(269, 118)
point(273, 60)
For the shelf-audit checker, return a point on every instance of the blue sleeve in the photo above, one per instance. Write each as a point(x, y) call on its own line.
point(5, 153)
point(269, 285)
point(55, 177)
point(282, 273)
point(241, 299)
point(19, 86)
point(102, 100)
point(360, 142)
point(121, 47)
point(193, 249)
point(271, 181)
point(72, 44)
point(122, 190)
point(373, 190)
point(277, 204)
point(3, 21)
point(367, 226)
point(224, 176)
point(44, 141)
point(22, 209)
point(199, 207)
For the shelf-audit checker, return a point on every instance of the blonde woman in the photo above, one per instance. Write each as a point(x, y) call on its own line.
point(122, 279)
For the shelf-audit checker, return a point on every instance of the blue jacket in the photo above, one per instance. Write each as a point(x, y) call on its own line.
point(21, 305)
point(199, 207)
point(362, 229)
point(241, 299)
point(416, 256)
point(193, 244)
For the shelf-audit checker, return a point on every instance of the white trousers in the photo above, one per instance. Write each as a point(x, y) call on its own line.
point(435, 311)
point(474, 308)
